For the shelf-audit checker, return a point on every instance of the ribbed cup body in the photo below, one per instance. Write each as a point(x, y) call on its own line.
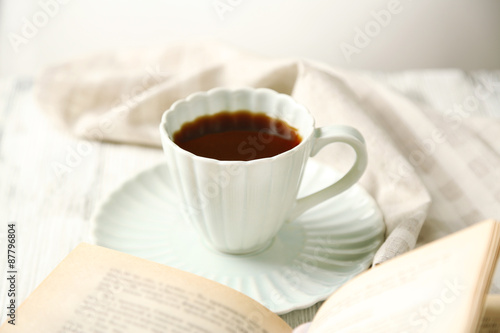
point(237, 206)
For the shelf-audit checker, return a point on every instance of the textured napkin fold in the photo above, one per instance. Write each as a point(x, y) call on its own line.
point(121, 96)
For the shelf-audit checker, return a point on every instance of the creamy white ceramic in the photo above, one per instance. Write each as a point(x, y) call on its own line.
point(239, 206)
point(309, 258)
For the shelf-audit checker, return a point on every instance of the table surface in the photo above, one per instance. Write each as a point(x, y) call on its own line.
point(52, 211)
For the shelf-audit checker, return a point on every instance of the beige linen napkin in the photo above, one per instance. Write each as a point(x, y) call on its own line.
point(121, 96)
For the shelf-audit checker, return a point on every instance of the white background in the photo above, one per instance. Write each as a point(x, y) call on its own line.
point(423, 34)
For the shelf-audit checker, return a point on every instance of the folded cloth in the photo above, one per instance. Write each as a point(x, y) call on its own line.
point(121, 96)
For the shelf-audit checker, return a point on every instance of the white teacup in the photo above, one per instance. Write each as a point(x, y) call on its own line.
point(239, 206)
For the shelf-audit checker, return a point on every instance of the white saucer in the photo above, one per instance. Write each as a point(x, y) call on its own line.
point(308, 260)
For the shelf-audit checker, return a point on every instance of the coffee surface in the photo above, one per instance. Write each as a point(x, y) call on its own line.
point(236, 136)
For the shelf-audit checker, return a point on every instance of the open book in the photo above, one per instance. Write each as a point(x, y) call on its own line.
point(440, 287)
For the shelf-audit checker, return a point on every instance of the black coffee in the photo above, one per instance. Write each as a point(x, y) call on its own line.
point(237, 136)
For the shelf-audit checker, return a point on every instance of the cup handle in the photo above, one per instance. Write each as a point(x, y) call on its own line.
point(322, 137)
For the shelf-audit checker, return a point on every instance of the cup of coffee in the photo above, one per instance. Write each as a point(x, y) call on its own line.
point(236, 158)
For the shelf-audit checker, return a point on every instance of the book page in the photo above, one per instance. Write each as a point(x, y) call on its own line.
point(439, 287)
point(491, 318)
point(100, 290)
